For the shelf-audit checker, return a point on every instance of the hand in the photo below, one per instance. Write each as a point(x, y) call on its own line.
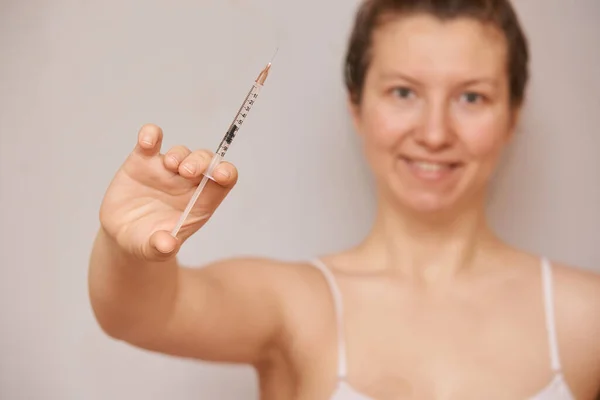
point(150, 191)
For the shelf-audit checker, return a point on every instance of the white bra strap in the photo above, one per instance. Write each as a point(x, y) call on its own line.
point(549, 307)
point(339, 312)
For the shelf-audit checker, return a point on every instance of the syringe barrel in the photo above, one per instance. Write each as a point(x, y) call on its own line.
point(239, 119)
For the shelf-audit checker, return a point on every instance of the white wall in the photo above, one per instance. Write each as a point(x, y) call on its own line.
point(76, 83)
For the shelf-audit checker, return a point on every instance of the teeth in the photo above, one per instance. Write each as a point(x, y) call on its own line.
point(429, 167)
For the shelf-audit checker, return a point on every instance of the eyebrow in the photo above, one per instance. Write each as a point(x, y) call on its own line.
point(388, 76)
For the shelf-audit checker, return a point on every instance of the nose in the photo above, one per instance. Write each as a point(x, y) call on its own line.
point(435, 131)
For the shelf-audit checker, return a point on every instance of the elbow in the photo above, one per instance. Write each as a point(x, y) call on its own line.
point(109, 324)
point(110, 316)
point(119, 324)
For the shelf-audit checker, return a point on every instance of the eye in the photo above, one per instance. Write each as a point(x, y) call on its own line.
point(403, 92)
point(472, 97)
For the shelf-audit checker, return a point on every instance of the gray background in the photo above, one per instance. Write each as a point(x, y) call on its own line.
point(78, 79)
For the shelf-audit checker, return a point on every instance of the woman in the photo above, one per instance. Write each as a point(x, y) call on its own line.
point(432, 304)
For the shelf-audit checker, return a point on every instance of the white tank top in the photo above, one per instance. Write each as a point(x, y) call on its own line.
point(557, 388)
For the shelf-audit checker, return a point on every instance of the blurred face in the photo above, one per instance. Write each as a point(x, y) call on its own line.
point(435, 112)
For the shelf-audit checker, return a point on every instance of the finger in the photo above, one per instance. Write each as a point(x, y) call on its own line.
point(149, 139)
point(175, 156)
point(225, 174)
point(195, 164)
point(162, 246)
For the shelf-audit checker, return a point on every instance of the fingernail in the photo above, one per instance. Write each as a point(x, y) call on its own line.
point(223, 172)
point(147, 140)
point(189, 168)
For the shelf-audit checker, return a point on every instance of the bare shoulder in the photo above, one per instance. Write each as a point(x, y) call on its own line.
point(296, 285)
point(291, 290)
point(577, 303)
point(578, 292)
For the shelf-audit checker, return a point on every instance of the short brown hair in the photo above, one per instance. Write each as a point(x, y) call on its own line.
point(500, 13)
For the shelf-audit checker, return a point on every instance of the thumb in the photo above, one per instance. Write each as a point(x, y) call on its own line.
point(162, 246)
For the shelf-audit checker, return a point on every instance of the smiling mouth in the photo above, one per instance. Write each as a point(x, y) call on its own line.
point(431, 171)
point(430, 165)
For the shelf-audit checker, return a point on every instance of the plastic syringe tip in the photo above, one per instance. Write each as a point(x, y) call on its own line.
point(262, 77)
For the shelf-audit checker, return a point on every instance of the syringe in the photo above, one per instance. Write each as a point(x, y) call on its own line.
point(226, 141)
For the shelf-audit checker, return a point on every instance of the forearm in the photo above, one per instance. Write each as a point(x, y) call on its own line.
point(128, 295)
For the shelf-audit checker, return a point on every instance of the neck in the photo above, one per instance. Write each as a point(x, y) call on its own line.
point(427, 246)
